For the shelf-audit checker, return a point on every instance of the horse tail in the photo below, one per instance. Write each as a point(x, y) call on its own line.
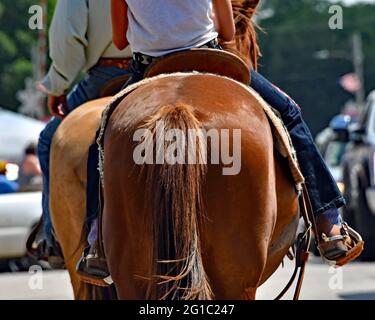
point(175, 194)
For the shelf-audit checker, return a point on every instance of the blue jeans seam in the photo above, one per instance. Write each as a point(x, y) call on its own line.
point(335, 203)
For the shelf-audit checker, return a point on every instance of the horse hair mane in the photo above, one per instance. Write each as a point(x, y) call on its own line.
point(243, 11)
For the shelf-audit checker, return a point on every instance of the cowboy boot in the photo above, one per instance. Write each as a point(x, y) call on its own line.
point(338, 243)
point(39, 248)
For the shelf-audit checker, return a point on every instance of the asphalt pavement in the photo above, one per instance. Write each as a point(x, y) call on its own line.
point(353, 282)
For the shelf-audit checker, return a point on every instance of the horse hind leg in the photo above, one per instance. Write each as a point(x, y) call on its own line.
point(237, 238)
point(249, 294)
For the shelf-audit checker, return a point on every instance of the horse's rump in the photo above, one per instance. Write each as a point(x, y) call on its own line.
point(232, 239)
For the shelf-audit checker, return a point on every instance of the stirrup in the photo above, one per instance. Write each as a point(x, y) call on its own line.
point(31, 247)
point(355, 246)
point(83, 271)
point(104, 283)
point(37, 248)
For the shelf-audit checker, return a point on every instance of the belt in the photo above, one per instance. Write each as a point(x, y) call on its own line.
point(147, 60)
point(121, 63)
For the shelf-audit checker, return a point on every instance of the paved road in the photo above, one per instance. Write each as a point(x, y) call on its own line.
point(52, 285)
point(356, 281)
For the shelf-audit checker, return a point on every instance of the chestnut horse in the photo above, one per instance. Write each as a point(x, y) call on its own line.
point(68, 186)
point(186, 230)
point(275, 194)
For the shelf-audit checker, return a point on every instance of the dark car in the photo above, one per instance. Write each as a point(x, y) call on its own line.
point(359, 178)
point(335, 146)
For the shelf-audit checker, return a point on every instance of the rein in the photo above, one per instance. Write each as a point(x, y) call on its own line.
point(302, 245)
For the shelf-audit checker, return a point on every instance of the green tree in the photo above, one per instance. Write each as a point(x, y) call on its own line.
point(294, 33)
point(16, 42)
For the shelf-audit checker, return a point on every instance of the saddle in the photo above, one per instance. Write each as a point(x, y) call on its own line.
point(113, 86)
point(212, 61)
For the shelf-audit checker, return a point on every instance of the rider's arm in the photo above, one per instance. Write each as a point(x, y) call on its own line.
point(223, 18)
point(68, 44)
point(119, 12)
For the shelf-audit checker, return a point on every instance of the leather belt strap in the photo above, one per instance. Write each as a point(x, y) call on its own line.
point(120, 63)
point(146, 60)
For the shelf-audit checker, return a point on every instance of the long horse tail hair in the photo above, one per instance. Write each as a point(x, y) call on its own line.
point(175, 194)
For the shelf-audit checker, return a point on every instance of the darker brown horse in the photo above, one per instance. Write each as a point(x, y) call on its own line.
point(186, 231)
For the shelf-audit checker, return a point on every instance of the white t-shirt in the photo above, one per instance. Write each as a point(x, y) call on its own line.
point(160, 27)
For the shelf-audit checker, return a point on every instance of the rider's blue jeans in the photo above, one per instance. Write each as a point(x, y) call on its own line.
point(323, 191)
point(85, 90)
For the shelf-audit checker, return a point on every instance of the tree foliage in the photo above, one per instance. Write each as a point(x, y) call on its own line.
point(295, 31)
point(16, 42)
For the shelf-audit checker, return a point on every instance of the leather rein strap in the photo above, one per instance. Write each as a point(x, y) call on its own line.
point(302, 245)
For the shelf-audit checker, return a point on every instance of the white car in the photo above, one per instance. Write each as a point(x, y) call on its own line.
point(16, 132)
point(19, 212)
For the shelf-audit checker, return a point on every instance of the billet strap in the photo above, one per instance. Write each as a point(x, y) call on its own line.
point(309, 210)
point(101, 252)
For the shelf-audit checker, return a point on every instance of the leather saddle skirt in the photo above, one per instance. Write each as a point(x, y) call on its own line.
point(212, 61)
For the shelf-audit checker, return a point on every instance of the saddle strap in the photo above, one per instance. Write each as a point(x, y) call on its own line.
point(302, 246)
point(101, 252)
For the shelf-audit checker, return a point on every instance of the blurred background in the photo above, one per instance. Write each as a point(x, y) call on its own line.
point(330, 72)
